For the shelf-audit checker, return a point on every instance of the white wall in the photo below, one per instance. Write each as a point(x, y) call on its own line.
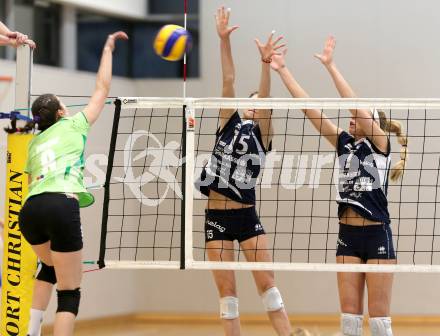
point(385, 49)
point(135, 9)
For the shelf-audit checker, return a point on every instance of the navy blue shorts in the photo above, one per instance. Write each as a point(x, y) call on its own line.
point(236, 224)
point(365, 242)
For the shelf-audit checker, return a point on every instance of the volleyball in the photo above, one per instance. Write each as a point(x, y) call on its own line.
point(171, 42)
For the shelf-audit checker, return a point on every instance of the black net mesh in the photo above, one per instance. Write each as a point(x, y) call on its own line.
point(295, 193)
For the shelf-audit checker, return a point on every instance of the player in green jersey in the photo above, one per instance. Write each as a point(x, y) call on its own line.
point(50, 219)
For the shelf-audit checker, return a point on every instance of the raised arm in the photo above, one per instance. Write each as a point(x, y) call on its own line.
point(13, 39)
point(228, 71)
point(319, 120)
point(3, 29)
point(264, 117)
point(103, 78)
point(364, 117)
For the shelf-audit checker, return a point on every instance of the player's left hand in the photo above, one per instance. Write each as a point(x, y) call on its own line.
point(278, 60)
point(271, 47)
point(326, 57)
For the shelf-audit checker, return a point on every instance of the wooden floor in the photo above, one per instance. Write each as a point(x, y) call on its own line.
point(215, 330)
point(145, 326)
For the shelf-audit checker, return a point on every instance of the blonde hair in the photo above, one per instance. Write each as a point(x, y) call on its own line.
point(393, 126)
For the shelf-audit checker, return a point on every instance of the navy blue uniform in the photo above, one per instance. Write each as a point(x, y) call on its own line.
point(363, 186)
point(236, 161)
point(232, 170)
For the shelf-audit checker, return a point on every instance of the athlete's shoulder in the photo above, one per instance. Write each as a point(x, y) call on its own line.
point(376, 150)
point(344, 139)
point(78, 121)
point(232, 122)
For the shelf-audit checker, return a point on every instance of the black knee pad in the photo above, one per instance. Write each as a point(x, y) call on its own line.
point(68, 300)
point(47, 274)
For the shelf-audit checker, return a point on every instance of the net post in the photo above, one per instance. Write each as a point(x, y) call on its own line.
point(105, 206)
point(18, 281)
point(183, 203)
point(186, 253)
point(23, 77)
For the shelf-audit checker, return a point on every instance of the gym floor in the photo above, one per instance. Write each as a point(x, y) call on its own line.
point(137, 326)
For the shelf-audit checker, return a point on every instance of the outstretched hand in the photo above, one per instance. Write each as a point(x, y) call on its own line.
point(17, 39)
point(111, 39)
point(271, 47)
point(222, 23)
point(326, 57)
point(278, 60)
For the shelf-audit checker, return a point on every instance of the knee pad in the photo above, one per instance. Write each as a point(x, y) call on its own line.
point(68, 301)
point(229, 308)
point(47, 274)
point(380, 326)
point(272, 300)
point(351, 324)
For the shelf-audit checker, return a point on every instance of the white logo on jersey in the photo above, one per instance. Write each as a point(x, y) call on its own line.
point(340, 242)
point(363, 184)
point(258, 227)
point(381, 250)
point(209, 234)
point(163, 158)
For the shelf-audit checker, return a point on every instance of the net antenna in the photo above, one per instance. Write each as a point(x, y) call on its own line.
point(185, 25)
point(149, 197)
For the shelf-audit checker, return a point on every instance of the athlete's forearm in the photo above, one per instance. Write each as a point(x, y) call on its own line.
point(291, 84)
point(319, 120)
point(344, 89)
point(3, 29)
point(265, 81)
point(228, 69)
point(4, 41)
point(104, 75)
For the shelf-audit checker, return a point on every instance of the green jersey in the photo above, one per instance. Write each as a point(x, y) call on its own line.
point(56, 159)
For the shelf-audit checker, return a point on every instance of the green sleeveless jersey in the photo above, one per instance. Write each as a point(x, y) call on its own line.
point(55, 159)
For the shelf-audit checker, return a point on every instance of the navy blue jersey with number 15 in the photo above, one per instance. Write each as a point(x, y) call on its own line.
point(236, 161)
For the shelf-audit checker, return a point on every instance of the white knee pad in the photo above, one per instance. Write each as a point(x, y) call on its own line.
point(272, 300)
point(351, 324)
point(380, 326)
point(229, 308)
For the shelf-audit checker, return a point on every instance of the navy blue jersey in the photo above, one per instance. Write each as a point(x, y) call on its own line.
point(236, 161)
point(363, 178)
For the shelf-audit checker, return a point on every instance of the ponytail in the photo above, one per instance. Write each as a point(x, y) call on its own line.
point(30, 126)
point(45, 113)
point(12, 128)
point(393, 126)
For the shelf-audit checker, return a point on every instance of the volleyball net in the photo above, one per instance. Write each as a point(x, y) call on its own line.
point(153, 216)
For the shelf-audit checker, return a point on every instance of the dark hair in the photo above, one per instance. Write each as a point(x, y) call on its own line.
point(44, 112)
point(12, 128)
